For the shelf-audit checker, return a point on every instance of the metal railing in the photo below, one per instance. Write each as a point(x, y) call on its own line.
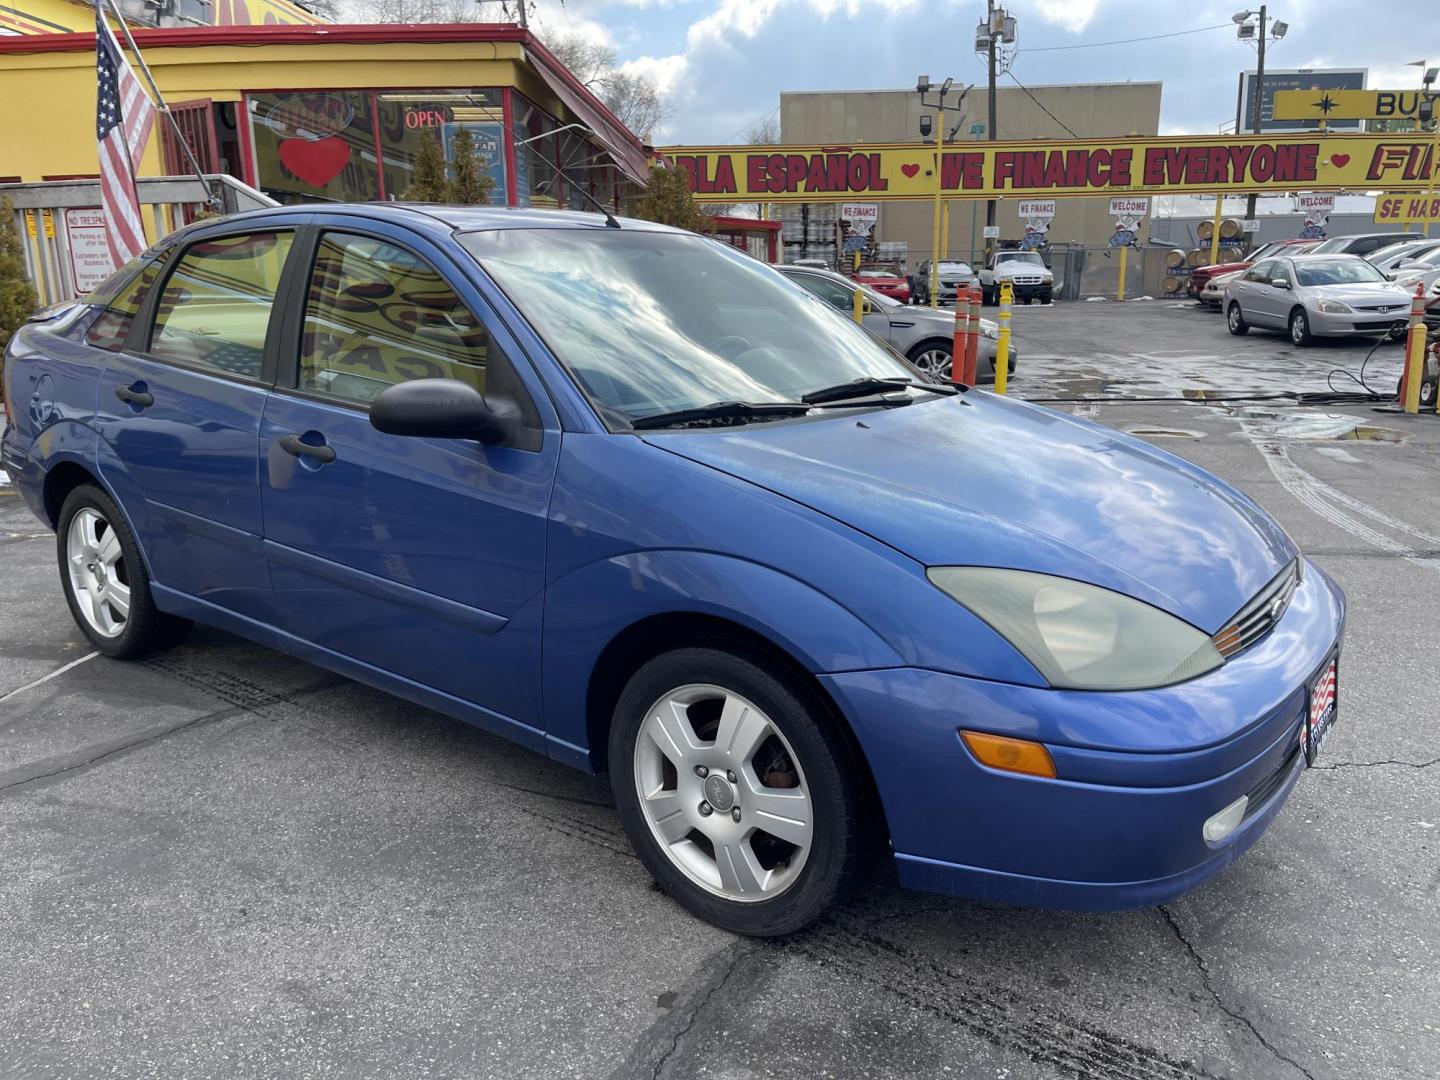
point(63, 235)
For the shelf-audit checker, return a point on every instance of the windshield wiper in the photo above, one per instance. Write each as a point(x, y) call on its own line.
point(867, 385)
point(722, 410)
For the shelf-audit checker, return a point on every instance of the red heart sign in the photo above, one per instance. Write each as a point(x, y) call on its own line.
point(910, 170)
point(316, 161)
point(1339, 160)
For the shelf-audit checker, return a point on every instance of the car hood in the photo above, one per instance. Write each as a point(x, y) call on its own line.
point(983, 480)
point(1223, 268)
point(1012, 267)
point(1360, 292)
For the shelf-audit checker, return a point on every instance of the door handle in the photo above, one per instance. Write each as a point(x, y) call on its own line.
point(139, 398)
point(298, 447)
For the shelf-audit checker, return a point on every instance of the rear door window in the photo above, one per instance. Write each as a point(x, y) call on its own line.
point(214, 312)
point(122, 304)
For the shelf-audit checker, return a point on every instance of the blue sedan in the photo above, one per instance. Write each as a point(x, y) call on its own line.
point(628, 497)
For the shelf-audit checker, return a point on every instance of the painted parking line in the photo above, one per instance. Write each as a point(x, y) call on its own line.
point(46, 678)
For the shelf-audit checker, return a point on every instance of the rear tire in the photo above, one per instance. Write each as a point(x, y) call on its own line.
point(105, 581)
point(772, 760)
point(1300, 328)
point(933, 357)
point(1235, 320)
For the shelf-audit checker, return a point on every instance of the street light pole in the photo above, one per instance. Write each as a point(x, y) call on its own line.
point(990, 65)
point(922, 87)
point(1255, 114)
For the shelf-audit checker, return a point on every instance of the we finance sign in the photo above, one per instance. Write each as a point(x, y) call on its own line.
point(1204, 164)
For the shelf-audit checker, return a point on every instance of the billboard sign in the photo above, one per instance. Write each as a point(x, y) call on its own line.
point(1335, 105)
point(1130, 167)
point(1407, 210)
point(1307, 79)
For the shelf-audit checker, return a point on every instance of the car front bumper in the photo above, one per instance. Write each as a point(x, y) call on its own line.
point(1030, 292)
point(1346, 324)
point(1139, 772)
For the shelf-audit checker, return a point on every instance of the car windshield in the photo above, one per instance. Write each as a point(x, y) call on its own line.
point(1336, 272)
point(1031, 257)
point(954, 268)
point(878, 274)
point(653, 322)
point(1428, 258)
point(1335, 243)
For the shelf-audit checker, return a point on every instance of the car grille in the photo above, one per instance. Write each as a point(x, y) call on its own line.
point(1027, 279)
point(1255, 619)
point(1263, 792)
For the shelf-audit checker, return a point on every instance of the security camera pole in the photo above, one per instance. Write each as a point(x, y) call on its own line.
point(922, 87)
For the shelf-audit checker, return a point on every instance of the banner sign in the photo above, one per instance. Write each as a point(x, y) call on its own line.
point(1315, 203)
point(863, 217)
point(1037, 208)
point(1129, 210)
point(1330, 105)
point(1407, 209)
point(1045, 169)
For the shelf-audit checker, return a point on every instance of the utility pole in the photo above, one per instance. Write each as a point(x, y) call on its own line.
point(990, 65)
point(1255, 120)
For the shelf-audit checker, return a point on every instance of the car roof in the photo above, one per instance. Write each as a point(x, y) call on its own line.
point(458, 218)
point(1324, 256)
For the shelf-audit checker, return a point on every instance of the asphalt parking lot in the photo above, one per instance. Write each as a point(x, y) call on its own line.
point(221, 862)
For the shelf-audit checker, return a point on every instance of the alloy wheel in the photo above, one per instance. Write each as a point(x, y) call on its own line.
point(99, 578)
point(723, 793)
point(935, 363)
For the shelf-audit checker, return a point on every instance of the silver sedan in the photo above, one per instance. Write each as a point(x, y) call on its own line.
point(924, 336)
point(1310, 296)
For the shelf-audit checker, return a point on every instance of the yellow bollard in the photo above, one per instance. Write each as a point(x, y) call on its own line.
point(1002, 346)
point(858, 311)
point(1414, 354)
point(1215, 231)
point(1120, 291)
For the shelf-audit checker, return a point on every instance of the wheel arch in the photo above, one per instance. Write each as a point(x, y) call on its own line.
point(640, 642)
point(925, 344)
point(64, 477)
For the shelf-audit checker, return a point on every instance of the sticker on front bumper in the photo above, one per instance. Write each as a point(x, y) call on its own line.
point(1321, 712)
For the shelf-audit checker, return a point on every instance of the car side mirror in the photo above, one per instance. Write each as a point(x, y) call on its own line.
point(1390, 275)
point(440, 409)
point(1280, 283)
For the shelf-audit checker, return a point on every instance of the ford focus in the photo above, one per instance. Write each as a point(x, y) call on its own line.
point(631, 499)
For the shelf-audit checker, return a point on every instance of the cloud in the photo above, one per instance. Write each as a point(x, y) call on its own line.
point(666, 71)
point(1073, 15)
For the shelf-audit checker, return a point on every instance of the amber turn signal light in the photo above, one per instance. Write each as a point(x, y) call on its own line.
point(1012, 755)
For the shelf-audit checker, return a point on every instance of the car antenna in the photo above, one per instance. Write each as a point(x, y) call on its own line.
point(610, 222)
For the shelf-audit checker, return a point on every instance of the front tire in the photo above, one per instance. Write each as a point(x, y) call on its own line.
point(1235, 320)
point(105, 581)
point(735, 790)
point(1300, 328)
point(933, 357)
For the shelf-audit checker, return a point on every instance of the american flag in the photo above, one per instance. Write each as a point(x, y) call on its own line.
point(124, 117)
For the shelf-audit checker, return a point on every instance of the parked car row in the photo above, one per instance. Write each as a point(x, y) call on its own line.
point(1342, 286)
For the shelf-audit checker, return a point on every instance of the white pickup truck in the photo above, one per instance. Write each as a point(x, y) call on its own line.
point(1025, 270)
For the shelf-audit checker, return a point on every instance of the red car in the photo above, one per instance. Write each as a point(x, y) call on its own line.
point(886, 280)
point(1203, 274)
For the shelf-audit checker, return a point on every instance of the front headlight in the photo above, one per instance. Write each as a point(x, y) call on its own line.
point(1333, 307)
point(1080, 636)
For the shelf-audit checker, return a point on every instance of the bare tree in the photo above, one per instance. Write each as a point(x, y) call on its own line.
point(635, 99)
point(764, 133)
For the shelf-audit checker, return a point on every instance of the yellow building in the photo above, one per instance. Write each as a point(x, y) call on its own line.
point(67, 16)
point(325, 112)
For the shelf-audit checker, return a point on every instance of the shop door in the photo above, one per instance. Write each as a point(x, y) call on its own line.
point(196, 119)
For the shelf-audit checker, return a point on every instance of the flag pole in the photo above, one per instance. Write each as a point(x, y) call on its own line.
point(210, 197)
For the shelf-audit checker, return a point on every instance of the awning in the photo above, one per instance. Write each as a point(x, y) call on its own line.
point(615, 137)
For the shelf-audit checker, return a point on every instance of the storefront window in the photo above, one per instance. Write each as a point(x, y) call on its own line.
point(406, 117)
point(315, 144)
point(535, 158)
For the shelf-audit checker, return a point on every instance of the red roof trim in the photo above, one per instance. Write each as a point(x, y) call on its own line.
point(366, 34)
point(323, 34)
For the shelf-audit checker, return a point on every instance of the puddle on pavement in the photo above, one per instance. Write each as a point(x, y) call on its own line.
point(1274, 424)
point(1164, 433)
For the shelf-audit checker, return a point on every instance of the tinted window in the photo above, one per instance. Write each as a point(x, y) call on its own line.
point(215, 309)
point(377, 314)
point(122, 304)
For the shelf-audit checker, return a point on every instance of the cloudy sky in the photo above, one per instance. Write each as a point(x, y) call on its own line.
point(725, 62)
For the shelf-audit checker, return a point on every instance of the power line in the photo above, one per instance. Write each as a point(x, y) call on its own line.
point(1037, 101)
point(751, 124)
point(1129, 41)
